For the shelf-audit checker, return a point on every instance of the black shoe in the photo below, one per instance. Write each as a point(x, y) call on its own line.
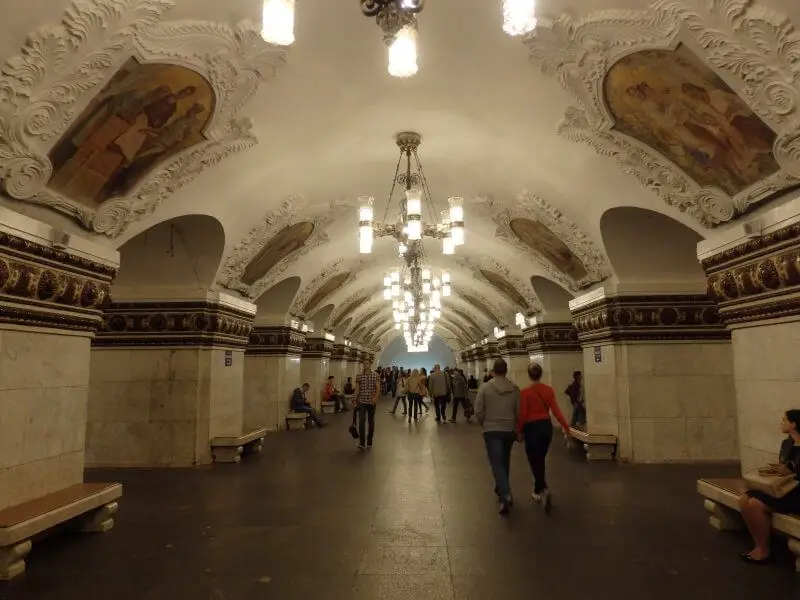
point(505, 507)
point(547, 501)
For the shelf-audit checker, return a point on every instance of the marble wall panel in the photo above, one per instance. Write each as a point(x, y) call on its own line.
point(268, 385)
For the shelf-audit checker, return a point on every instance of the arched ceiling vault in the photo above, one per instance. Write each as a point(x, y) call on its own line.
point(540, 142)
point(383, 318)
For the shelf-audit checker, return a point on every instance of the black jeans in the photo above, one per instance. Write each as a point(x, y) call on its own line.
point(312, 414)
point(366, 412)
point(498, 450)
point(440, 405)
point(456, 402)
point(578, 414)
point(413, 406)
point(538, 435)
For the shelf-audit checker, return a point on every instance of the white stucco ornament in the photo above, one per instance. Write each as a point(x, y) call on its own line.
point(61, 67)
point(753, 49)
point(489, 264)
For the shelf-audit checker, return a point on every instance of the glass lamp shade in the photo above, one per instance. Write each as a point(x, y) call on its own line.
point(519, 16)
point(395, 290)
point(277, 22)
point(446, 277)
point(387, 281)
point(366, 211)
point(395, 277)
point(456, 209)
point(414, 202)
point(365, 239)
point(426, 274)
point(446, 291)
point(403, 53)
point(426, 287)
point(402, 249)
point(415, 229)
point(387, 293)
point(397, 325)
point(448, 247)
point(457, 233)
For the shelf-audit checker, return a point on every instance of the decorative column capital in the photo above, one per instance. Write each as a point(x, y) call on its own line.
point(490, 351)
point(275, 341)
point(339, 352)
point(757, 280)
point(649, 319)
point(512, 345)
point(317, 348)
point(551, 337)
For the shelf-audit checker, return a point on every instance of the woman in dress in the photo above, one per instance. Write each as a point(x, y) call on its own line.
point(757, 507)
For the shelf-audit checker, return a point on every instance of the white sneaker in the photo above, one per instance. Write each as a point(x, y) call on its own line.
point(536, 497)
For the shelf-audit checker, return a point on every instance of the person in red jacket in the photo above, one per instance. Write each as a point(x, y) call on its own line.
point(535, 429)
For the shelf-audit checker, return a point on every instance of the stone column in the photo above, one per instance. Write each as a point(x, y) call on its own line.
point(339, 365)
point(555, 346)
point(166, 378)
point(480, 362)
point(490, 354)
point(658, 375)
point(271, 373)
point(756, 283)
point(512, 349)
point(315, 368)
point(353, 363)
point(52, 300)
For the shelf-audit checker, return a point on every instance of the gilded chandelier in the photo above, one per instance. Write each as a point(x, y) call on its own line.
point(398, 21)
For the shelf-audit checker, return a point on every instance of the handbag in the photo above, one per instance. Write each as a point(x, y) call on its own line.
point(353, 431)
point(774, 480)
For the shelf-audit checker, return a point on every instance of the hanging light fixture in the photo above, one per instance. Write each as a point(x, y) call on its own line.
point(519, 16)
point(277, 23)
point(403, 53)
point(398, 21)
point(365, 215)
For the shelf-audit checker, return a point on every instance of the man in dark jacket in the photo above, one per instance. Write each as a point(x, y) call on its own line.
point(299, 403)
point(459, 392)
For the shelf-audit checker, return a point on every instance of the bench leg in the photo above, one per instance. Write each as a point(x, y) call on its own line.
point(99, 520)
point(722, 517)
point(794, 546)
point(12, 559)
point(571, 444)
point(254, 447)
point(599, 452)
point(231, 454)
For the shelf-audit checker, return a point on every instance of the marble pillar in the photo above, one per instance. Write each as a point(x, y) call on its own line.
point(353, 363)
point(165, 378)
point(490, 354)
point(755, 281)
point(315, 368)
point(554, 345)
point(271, 373)
point(339, 365)
point(512, 349)
point(52, 300)
point(659, 375)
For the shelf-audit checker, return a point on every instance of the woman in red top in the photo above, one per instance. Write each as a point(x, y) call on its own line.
point(534, 427)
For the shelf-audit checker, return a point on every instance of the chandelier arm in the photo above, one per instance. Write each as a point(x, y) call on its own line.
point(426, 189)
point(391, 191)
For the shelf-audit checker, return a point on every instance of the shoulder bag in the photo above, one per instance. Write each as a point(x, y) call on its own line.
point(774, 480)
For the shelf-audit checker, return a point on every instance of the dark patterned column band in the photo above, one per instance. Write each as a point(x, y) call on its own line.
point(758, 280)
point(190, 324)
point(353, 355)
point(317, 348)
point(45, 287)
point(339, 352)
point(649, 319)
point(275, 341)
point(551, 337)
point(512, 345)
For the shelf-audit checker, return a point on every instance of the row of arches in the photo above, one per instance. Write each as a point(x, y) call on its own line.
point(185, 253)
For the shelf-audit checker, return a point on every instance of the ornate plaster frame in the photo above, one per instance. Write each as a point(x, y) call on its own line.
point(349, 305)
point(495, 311)
point(490, 264)
point(61, 67)
point(531, 206)
point(293, 210)
point(750, 47)
point(337, 267)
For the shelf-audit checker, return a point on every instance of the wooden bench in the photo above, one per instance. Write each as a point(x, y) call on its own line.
point(328, 407)
point(722, 503)
point(231, 449)
point(598, 446)
point(295, 420)
point(87, 507)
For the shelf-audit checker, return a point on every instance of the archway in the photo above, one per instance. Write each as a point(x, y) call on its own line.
point(273, 304)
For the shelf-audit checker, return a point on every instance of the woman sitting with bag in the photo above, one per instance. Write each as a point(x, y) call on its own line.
point(757, 505)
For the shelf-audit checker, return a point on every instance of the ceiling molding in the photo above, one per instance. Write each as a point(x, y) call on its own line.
point(751, 46)
point(531, 206)
point(308, 291)
point(486, 307)
point(524, 289)
point(347, 306)
point(62, 66)
point(293, 210)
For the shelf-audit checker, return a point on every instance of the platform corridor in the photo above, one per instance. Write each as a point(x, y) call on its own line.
point(312, 518)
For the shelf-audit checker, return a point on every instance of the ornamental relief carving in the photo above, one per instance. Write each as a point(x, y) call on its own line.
point(341, 271)
point(746, 51)
point(62, 67)
point(515, 291)
point(569, 256)
point(347, 306)
point(294, 210)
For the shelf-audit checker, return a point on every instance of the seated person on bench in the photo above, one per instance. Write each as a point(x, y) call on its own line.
point(300, 404)
point(757, 506)
point(333, 395)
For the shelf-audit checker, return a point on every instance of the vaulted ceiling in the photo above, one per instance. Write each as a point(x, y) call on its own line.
point(683, 111)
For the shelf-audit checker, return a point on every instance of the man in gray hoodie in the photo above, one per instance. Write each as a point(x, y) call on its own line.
point(496, 408)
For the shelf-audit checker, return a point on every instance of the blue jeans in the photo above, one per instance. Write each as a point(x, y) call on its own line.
point(312, 414)
point(498, 450)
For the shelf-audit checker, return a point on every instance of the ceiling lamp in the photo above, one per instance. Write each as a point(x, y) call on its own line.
point(409, 230)
point(277, 23)
point(519, 16)
point(398, 21)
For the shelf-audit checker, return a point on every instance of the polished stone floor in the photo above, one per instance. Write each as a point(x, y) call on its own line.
point(313, 519)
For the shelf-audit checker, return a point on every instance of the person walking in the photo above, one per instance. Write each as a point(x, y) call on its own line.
point(535, 428)
point(439, 388)
point(459, 393)
point(402, 393)
point(496, 408)
point(577, 398)
point(368, 387)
